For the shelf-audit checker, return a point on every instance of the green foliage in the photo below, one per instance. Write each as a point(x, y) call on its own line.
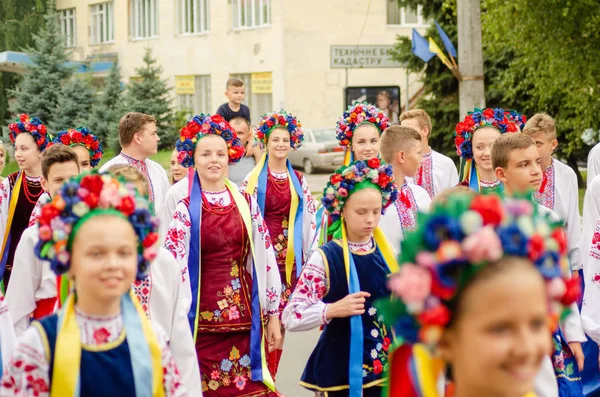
point(19, 21)
point(75, 103)
point(40, 88)
point(106, 112)
point(150, 94)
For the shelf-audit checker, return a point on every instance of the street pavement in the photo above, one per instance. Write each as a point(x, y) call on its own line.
point(299, 345)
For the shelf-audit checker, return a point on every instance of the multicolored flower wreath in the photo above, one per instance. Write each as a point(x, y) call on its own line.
point(270, 121)
point(455, 241)
point(347, 178)
point(80, 198)
point(357, 114)
point(503, 120)
point(81, 136)
point(30, 125)
point(202, 125)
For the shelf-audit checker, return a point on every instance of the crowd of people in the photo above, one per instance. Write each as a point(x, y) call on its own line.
point(425, 280)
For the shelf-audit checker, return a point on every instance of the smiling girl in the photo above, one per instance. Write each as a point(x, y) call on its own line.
point(474, 137)
point(481, 285)
point(21, 190)
point(231, 278)
point(284, 199)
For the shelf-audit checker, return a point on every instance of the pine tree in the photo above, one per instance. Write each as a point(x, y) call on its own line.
point(106, 111)
point(150, 94)
point(74, 105)
point(39, 91)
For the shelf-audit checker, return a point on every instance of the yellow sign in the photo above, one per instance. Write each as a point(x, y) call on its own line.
point(185, 85)
point(262, 83)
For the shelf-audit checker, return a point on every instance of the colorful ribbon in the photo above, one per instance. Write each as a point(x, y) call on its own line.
point(348, 156)
point(258, 359)
point(145, 352)
point(14, 198)
point(258, 181)
point(355, 368)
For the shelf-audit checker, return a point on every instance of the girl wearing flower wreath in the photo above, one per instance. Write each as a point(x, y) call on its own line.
point(481, 285)
point(474, 137)
point(340, 282)
point(98, 232)
point(21, 190)
point(224, 251)
point(89, 153)
point(284, 200)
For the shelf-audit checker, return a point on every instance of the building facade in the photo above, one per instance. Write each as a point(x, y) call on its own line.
point(297, 55)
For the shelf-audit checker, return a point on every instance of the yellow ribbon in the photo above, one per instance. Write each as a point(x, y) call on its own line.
point(67, 357)
point(14, 198)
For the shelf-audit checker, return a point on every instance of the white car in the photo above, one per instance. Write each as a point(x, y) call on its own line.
point(320, 150)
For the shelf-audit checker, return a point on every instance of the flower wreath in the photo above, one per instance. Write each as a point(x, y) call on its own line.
point(202, 125)
point(273, 120)
point(345, 179)
point(503, 120)
point(80, 198)
point(454, 242)
point(31, 125)
point(81, 136)
point(357, 114)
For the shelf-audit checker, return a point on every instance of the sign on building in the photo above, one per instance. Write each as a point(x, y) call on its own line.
point(185, 85)
point(262, 83)
point(362, 56)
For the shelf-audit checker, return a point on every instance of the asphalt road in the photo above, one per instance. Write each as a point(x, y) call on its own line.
point(298, 345)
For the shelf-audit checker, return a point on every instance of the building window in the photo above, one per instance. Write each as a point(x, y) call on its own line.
point(194, 16)
point(258, 96)
point(144, 19)
point(193, 94)
point(251, 13)
point(68, 27)
point(404, 16)
point(102, 23)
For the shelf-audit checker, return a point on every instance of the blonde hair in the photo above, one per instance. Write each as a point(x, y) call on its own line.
point(442, 198)
point(419, 114)
point(131, 174)
point(541, 123)
point(396, 139)
point(506, 144)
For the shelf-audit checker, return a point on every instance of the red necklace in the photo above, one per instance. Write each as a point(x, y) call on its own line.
point(31, 197)
point(217, 209)
point(281, 185)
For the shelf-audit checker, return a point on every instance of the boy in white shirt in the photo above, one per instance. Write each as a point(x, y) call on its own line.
point(401, 148)
point(437, 172)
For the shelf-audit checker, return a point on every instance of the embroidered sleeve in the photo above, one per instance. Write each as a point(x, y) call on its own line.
point(7, 333)
point(305, 309)
point(573, 227)
point(590, 310)
point(177, 238)
point(264, 249)
point(309, 223)
point(4, 203)
point(171, 378)
point(26, 375)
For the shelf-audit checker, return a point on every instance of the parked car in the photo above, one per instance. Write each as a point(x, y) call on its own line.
point(320, 150)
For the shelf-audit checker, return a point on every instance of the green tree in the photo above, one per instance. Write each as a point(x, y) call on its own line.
point(19, 21)
point(106, 112)
point(74, 104)
point(149, 94)
point(39, 91)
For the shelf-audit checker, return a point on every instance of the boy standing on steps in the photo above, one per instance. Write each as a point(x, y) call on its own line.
point(234, 107)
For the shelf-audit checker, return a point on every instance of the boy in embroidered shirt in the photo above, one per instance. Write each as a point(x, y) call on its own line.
point(401, 148)
point(559, 190)
point(234, 107)
point(437, 172)
point(34, 293)
point(517, 163)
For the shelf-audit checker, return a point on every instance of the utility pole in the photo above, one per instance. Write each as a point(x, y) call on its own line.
point(470, 56)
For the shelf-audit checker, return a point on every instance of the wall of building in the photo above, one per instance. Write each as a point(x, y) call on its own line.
point(295, 48)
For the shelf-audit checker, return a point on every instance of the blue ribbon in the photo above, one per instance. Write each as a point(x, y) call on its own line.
point(141, 359)
point(261, 199)
point(473, 179)
point(355, 370)
point(256, 334)
point(194, 256)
